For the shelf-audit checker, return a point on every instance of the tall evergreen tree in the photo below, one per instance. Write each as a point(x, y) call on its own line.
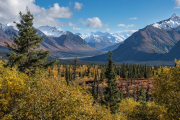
point(102, 76)
point(134, 93)
point(137, 92)
point(143, 97)
point(67, 76)
point(97, 89)
point(102, 97)
point(123, 72)
point(111, 92)
point(75, 66)
point(127, 91)
point(121, 95)
point(147, 93)
point(25, 46)
point(94, 89)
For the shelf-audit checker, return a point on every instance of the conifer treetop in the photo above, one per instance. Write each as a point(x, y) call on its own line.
point(26, 46)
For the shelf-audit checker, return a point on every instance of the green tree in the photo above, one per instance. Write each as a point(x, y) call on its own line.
point(111, 92)
point(102, 76)
point(25, 46)
point(67, 76)
point(124, 71)
point(94, 89)
point(75, 66)
point(147, 93)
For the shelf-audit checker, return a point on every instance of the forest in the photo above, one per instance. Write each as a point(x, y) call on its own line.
point(33, 88)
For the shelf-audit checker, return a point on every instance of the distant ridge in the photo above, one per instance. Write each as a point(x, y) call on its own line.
point(148, 44)
point(61, 44)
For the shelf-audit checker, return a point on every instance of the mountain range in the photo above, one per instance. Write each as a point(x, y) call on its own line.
point(158, 41)
point(153, 42)
point(102, 40)
point(65, 45)
point(99, 40)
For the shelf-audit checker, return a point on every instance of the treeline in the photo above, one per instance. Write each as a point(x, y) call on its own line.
point(124, 71)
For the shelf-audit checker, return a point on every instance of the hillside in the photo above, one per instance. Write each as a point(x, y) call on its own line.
point(66, 44)
point(147, 44)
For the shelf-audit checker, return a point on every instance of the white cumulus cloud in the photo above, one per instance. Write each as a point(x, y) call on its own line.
point(94, 22)
point(127, 26)
point(177, 4)
point(74, 28)
point(127, 31)
point(71, 24)
point(107, 29)
point(130, 25)
point(134, 18)
point(78, 6)
point(121, 25)
point(59, 12)
point(9, 12)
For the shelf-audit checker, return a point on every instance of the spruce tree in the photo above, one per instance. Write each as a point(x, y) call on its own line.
point(102, 75)
point(137, 92)
point(94, 89)
point(97, 89)
point(102, 97)
point(123, 74)
point(25, 46)
point(127, 91)
point(147, 93)
point(75, 66)
point(67, 76)
point(134, 93)
point(121, 95)
point(111, 92)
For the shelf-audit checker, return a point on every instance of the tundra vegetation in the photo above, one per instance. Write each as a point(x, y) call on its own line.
point(30, 88)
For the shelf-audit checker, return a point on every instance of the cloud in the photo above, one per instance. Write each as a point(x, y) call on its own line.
point(74, 28)
point(78, 6)
point(87, 30)
point(121, 25)
point(127, 31)
point(9, 12)
point(177, 4)
point(94, 22)
point(134, 18)
point(71, 24)
point(127, 26)
point(130, 25)
point(107, 29)
point(59, 12)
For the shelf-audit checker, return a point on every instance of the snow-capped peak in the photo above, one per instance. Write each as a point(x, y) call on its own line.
point(3, 27)
point(168, 24)
point(106, 37)
point(67, 33)
point(175, 17)
point(51, 31)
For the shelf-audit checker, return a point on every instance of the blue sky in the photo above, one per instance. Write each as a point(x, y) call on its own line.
point(86, 16)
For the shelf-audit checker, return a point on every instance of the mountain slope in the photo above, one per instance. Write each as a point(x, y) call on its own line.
point(173, 53)
point(101, 40)
point(50, 31)
point(147, 44)
point(66, 45)
point(111, 48)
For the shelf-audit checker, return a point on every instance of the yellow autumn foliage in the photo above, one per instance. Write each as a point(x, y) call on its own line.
point(132, 110)
point(167, 90)
point(46, 97)
point(12, 89)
